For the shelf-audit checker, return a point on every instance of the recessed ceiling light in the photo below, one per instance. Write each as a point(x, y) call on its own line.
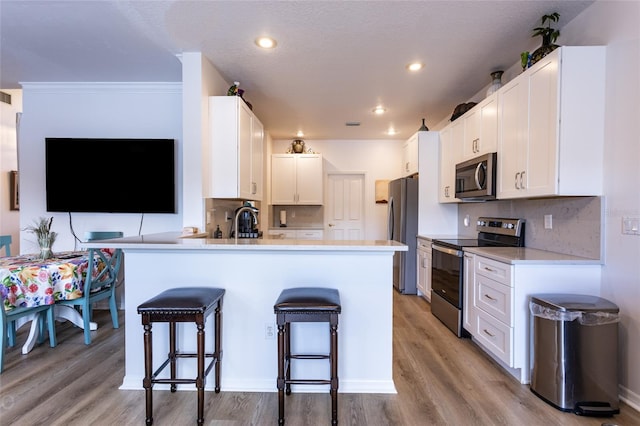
point(379, 110)
point(266, 42)
point(392, 131)
point(300, 133)
point(415, 66)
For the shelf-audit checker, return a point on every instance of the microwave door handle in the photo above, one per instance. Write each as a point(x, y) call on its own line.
point(477, 174)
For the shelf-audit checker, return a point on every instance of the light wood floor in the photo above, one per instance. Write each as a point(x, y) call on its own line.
point(441, 380)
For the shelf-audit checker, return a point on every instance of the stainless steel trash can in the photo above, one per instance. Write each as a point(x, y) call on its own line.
point(575, 353)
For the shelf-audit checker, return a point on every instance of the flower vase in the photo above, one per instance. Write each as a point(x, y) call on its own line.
point(45, 252)
point(542, 51)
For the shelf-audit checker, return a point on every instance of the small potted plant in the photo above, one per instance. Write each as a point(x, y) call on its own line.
point(549, 36)
point(46, 237)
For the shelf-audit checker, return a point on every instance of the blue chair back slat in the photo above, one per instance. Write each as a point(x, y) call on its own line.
point(5, 241)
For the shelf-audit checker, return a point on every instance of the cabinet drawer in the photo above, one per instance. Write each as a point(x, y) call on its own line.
point(309, 235)
point(424, 244)
point(497, 271)
point(494, 298)
point(283, 234)
point(495, 336)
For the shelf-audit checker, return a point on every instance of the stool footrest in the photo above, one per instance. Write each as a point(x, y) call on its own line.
point(309, 356)
point(308, 382)
point(182, 381)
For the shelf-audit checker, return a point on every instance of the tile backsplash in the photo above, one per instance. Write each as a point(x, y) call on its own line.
point(577, 222)
point(298, 216)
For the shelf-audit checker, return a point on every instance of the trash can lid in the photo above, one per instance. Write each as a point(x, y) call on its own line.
point(574, 302)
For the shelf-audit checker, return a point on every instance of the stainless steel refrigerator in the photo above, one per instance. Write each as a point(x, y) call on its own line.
point(403, 227)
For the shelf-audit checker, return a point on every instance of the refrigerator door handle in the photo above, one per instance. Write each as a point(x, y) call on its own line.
point(391, 220)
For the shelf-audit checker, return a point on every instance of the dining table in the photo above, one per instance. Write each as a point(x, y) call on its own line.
point(29, 281)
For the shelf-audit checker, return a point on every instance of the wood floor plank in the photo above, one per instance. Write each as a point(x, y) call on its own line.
point(440, 379)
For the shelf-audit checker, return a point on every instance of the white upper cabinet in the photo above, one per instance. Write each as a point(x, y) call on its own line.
point(296, 179)
point(235, 150)
point(551, 126)
point(410, 156)
point(450, 155)
point(481, 128)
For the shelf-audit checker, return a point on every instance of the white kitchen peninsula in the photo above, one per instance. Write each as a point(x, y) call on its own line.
point(254, 272)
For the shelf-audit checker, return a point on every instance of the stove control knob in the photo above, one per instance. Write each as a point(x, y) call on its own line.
point(508, 225)
point(481, 223)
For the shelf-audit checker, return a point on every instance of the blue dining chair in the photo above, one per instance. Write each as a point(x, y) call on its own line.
point(5, 242)
point(7, 323)
point(99, 287)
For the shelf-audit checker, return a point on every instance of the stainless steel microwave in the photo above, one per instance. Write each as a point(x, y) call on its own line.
point(476, 178)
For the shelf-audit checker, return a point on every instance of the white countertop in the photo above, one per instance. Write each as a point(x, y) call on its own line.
point(524, 255)
point(175, 241)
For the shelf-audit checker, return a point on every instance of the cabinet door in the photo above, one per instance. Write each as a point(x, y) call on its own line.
point(309, 179)
point(488, 139)
point(257, 159)
point(410, 156)
point(543, 129)
point(283, 179)
point(471, 139)
point(469, 316)
point(513, 123)
point(450, 154)
point(424, 268)
point(245, 140)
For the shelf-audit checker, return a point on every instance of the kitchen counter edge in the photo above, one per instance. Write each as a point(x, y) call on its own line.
point(530, 256)
point(175, 241)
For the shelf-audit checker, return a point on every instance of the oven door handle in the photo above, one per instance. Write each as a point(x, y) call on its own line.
point(457, 253)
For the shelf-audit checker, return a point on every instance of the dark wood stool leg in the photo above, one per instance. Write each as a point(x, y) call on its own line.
point(148, 372)
point(218, 346)
point(200, 378)
point(172, 353)
point(281, 379)
point(287, 357)
point(333, 357)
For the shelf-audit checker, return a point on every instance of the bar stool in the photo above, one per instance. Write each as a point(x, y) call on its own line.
point(306, 304)
point(184, 304)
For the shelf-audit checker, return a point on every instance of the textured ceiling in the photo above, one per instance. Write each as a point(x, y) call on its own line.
point(335, 60)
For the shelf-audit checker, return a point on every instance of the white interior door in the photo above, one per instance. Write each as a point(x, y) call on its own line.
point(344, 207)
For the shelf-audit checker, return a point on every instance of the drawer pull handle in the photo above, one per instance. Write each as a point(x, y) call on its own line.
point(489, 269)
point(488, 333)
point(490, 298)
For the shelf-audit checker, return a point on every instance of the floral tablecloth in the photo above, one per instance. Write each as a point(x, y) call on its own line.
point(26, 281)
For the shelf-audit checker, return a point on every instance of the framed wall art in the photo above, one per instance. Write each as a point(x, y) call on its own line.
point(14, 195)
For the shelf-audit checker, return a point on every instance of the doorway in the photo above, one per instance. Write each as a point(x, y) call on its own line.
point(344, 210)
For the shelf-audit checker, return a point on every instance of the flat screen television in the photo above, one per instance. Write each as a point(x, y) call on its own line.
point(138, 175)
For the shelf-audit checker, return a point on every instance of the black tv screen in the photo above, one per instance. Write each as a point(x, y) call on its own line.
point(110, 175)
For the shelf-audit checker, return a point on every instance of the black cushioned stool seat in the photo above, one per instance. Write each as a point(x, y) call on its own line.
point(183, 304)
point(306, 304)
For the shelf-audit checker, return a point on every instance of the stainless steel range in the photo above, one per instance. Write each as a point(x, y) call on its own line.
point(447, 268)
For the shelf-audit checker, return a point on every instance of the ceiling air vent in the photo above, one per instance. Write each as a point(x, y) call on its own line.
point(352, 123)
point(5, 97)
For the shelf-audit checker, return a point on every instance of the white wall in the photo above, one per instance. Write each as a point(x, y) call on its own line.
point(9, 219)
point(377, 159)
point(105, 110)
point(617, 25)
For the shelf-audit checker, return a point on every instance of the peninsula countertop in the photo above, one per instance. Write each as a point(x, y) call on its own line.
point(177, 241)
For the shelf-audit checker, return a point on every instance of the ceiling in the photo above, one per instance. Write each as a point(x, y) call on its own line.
point(334, 62)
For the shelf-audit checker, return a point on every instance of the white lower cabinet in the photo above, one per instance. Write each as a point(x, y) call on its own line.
point(297, 234)
point(496, 303)
point(423, 254)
